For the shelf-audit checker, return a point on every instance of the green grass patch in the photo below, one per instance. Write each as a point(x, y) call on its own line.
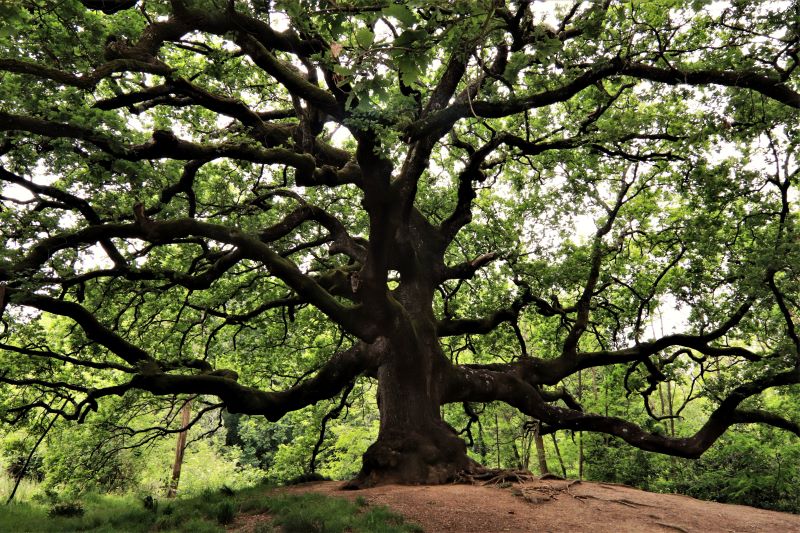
point(315, 513)
point(25, 491)
point(208, 513)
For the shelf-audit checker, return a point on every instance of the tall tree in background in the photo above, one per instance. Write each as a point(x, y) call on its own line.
point(263, 201)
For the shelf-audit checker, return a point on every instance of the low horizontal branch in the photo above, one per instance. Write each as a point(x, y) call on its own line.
point(336, 374)
point(469, 384)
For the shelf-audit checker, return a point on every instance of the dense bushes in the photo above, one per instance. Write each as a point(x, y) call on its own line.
point(750, 466)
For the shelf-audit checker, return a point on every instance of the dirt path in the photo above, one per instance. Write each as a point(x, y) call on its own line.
point(561, 506)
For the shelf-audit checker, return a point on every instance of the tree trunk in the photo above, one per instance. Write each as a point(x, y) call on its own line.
point(580, 433)
point(527, 444)
point(518, 459)
point(558, 454)
point(671, 412)
point(537, 437)
point(180, 447)
point(497, 438)
point(414, 445)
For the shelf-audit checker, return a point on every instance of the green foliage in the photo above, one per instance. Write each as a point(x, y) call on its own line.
point(75, 461)
point(610, 460)
point(748, 466)
point(350, 439)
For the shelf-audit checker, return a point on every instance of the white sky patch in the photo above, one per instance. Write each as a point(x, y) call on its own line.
point(93, 258)
point(546, 10)
point(17, 192)
point(339, 134)
point(40, 175)
point(278, 21)
point(224, 121)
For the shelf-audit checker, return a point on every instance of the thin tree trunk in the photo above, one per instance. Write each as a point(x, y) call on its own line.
point(180, 447)
point(580, 433)
point(517, 457)
point(527, 445)
point(606, 438)
point(663, 405)
point(27, 463)
point(671, 413)
point(497, 438)
point(558, 454)
point(537, 438)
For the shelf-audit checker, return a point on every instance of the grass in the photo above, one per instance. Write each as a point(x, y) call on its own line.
point(25, 491)
point(315, 513)
point(207, 513)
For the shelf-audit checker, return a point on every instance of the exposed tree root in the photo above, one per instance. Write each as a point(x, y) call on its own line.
point(494, 476)
point(622, 501)
point(528, 490)
point(671, 526)
point(544, 493)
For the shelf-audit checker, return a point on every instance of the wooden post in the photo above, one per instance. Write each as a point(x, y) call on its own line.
point(186, 412)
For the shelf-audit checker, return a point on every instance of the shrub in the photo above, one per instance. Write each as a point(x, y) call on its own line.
point(307, 478)
point(15, 453)
point(66, 509)
point(150, 503)
point(226, 512)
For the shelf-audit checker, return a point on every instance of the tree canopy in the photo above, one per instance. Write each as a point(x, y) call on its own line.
point(261, 202)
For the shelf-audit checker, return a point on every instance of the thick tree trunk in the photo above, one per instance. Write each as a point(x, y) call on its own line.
point(414, 445)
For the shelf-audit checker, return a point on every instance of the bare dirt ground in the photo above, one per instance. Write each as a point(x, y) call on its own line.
point(552, 506)
point(559, 506)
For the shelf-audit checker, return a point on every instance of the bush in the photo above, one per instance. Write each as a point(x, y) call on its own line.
point(66, 510)
point(15, 452)
point(226, 512)
point(150, 503)
point(307, 478)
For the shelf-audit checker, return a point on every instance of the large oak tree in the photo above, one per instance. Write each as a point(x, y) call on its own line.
point(191, 186)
